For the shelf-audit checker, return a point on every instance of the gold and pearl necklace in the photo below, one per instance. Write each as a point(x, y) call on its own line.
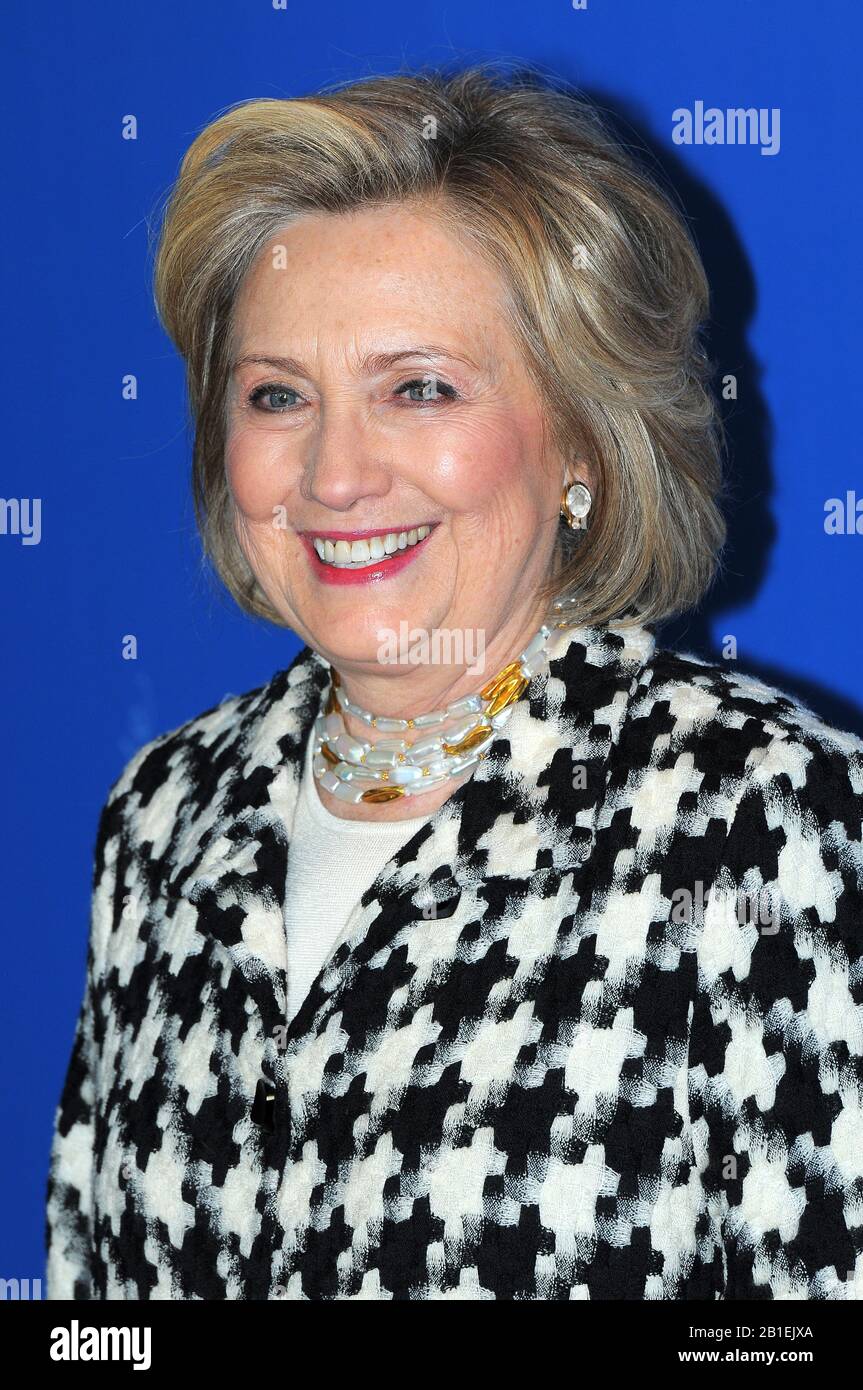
point(353, 769)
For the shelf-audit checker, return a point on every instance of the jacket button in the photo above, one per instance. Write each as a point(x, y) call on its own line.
point(264, 1105)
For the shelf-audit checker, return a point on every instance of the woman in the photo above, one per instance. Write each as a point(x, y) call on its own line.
point(488, 951)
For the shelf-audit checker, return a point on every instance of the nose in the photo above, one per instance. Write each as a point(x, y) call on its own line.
point(345, 462)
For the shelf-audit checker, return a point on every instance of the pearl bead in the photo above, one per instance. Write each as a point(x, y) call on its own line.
point(471, 704)
point(348, 791)
point(425, 746)
point(379, 757)
point(427, 721)
point(402, 775)
point(427, 784)
point(348, 748)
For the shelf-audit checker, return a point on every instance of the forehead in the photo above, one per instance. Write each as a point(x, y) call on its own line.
point(373, 269)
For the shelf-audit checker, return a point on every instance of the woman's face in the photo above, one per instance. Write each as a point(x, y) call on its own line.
point(377, 388)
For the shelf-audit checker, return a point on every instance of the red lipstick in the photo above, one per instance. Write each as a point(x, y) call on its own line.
point(372, 573)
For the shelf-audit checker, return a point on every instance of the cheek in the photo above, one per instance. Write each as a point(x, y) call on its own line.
point(257, 474)
point(488, 464)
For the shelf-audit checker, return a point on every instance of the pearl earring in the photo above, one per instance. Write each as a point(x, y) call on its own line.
point(575, 505)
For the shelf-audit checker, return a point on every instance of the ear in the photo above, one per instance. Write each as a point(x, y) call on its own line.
point(580, 470)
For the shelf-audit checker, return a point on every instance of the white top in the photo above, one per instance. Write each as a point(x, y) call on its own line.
point(331, 862)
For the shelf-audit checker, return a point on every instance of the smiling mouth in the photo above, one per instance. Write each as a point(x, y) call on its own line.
point(368, 550)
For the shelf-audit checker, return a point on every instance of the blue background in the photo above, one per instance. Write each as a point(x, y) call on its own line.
point(780, 237)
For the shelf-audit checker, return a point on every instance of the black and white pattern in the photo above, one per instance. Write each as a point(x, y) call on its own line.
point(560, 1050)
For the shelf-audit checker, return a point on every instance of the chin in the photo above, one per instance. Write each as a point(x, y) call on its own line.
point(358, 633)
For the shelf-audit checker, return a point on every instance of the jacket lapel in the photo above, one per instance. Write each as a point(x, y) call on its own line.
point(232, 855)
point(528, 811)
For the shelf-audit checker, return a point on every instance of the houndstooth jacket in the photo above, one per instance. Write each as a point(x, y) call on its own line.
point(594, 1032)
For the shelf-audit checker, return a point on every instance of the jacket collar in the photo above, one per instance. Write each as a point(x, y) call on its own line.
point(530, 806)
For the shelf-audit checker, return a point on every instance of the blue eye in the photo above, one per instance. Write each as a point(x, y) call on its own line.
point(268, 389)
point(431, 389)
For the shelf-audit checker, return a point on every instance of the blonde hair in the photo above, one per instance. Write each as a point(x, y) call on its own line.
point(607, 296)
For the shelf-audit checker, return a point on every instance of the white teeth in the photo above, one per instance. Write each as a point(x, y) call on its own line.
point(356, 554)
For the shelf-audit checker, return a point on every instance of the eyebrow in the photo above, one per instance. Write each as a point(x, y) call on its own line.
point(372, 363)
